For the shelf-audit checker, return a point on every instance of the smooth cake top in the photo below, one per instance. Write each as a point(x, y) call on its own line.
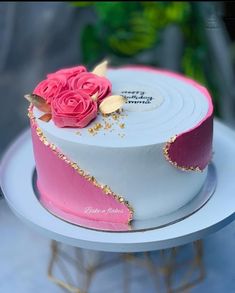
point(159, 105)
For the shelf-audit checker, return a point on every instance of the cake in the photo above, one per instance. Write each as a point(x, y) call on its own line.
point(120, 144)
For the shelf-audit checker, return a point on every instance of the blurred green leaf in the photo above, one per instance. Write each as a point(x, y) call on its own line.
point(92, 49)
point(125, 29)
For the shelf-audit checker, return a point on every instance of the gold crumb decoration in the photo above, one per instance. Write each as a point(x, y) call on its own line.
point(101, 68)
point(122, 125)
point(111, 104)
point(46, 117)
point(97, 126)
point(107, 125)
point(91, 130)
point(115, 116)
point(38, 102)
point(94, 129)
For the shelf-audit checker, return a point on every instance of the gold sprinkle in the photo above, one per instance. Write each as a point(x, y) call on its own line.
point(115, 116)
point(81, 172)
point(53, 147)
point(94, 130)
point(107, 190)
point(74, 165)
point(91, 130)
point(97, 126)
point(122, 125)
point(107, 125)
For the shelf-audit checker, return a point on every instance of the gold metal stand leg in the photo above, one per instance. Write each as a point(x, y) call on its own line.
point(164, 266)
point(54, 258)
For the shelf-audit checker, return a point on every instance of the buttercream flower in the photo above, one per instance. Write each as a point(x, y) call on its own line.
point(50, 88)
point(91, 84)
point(68, 72)
point(73, 109)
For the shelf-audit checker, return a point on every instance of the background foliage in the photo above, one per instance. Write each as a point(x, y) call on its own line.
point(123, 30)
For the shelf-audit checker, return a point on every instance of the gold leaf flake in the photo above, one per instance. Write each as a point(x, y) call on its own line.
point(111, 104)
point(101, 68)
point(38, 102)
point(46, 117)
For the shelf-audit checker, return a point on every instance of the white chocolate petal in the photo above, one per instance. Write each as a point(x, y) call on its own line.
point(111, 104)
point(95, 96)
point(101, 68)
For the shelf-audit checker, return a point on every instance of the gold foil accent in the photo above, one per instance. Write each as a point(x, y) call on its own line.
point(166, 155)
point(105, 188)
point(122, 125)
point(46, 117)
point(38, 102)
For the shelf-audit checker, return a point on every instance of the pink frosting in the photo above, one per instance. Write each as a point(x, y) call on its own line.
point(50, 88)
point(68, 194)
point(68, 72)
point(193, 148)
point(73, 109)
point(91, 84)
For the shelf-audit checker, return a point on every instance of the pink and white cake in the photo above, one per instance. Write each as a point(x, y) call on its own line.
point(120, 144)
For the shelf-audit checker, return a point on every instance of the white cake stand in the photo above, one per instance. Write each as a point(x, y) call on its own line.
point(16, 171)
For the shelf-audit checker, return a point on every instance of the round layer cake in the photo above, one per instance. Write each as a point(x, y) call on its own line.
point(146, 160)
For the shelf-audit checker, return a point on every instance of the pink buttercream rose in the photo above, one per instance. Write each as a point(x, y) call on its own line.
point(50, 88)
point(91, 84)
point(68, 72)
point(73, 109)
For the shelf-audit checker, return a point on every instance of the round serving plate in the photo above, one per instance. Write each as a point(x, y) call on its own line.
point(138, 225)
point(210, 214)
